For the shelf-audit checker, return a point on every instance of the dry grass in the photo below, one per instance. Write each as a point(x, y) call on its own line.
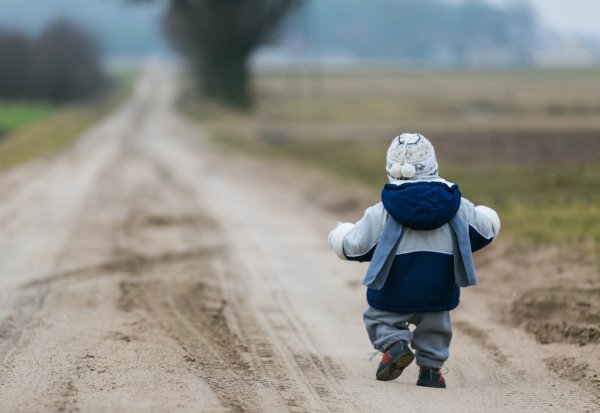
point(526, 143)
point(428, 99)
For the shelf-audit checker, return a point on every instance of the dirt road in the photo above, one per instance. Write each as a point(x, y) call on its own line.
point(144, 270)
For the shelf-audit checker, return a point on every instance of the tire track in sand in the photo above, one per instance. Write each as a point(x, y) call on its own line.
point(198, 298)
point(178, 278)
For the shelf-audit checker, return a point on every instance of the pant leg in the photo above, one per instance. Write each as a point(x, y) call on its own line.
point(431, 338)
point(385, 327)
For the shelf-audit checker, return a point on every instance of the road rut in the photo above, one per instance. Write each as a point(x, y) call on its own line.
point(144, 269)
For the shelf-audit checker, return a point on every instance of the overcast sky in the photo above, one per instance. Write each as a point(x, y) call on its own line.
point(567, 16)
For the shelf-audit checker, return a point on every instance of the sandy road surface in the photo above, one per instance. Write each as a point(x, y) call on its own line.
point(144, 271)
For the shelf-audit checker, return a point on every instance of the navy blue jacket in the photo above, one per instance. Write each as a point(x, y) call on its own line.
point(422, 274)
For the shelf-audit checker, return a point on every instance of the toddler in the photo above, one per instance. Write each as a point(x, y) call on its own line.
point(419, 240)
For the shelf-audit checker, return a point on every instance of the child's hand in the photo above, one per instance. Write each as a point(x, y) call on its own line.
point(337, 235)
point(491, 215)
point(330, 239)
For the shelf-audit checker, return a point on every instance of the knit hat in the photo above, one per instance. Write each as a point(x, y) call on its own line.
point(410, 155)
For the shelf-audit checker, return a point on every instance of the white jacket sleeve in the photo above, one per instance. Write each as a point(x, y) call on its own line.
point(354, 241)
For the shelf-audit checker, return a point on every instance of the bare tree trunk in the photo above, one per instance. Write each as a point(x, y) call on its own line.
point(227, 78)
point(219, 36)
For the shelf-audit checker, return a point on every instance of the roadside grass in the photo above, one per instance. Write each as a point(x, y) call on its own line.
point(346, 126)
point(15, 115)
point(38, 129)
point(434, 99)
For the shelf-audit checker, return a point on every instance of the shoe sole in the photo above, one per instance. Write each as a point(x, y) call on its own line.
point(396, 367)
point(432, 385)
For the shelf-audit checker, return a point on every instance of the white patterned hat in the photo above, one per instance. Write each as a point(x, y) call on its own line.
point(410, 155)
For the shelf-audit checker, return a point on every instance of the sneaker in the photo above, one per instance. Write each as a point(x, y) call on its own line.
point(394, 361)
point(430, 377)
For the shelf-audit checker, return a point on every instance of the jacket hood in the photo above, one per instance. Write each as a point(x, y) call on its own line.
point(422, 205)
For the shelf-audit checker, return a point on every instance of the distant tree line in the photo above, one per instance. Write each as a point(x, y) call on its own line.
point(61, 64)
point(428, 31)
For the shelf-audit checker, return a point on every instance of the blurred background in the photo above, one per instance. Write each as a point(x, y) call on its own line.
point(508, 91)
point(169, 170)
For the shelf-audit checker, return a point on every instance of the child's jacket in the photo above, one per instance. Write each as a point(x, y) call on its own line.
point(439, 231)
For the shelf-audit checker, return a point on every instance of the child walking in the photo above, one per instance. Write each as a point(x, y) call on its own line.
point(419, 240)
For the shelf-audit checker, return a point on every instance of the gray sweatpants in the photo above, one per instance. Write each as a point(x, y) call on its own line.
point(430, 338)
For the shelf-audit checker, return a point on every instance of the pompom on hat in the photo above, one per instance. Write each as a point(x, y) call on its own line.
point(410, 155)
